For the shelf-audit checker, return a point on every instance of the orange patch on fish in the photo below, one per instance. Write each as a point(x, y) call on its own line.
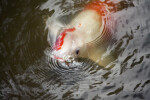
point(99, 7)
point(79, 25)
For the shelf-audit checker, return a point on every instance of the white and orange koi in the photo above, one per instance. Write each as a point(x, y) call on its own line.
point(84, 28)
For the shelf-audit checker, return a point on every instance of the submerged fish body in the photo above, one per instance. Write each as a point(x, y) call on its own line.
point(73, 39)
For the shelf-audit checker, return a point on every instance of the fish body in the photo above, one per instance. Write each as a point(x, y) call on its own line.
point(85, 27)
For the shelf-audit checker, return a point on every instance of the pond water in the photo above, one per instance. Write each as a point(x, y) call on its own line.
point(27, 71)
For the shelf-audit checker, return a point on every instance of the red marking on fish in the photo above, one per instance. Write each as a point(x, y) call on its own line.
point(60, 40)
point(58, 58)
point(99, 7)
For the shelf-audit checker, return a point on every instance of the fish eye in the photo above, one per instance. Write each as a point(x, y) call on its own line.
point(77, 51)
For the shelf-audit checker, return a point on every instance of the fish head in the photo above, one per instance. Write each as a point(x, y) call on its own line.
point(67, 46)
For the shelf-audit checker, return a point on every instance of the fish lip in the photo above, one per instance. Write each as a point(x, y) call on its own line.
point(69, 58)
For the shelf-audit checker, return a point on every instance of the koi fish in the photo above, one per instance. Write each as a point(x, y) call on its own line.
point(84, 28)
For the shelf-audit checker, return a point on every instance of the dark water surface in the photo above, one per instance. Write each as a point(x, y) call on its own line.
point(28, 73)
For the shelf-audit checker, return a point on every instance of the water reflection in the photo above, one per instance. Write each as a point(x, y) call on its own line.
point(27, 73)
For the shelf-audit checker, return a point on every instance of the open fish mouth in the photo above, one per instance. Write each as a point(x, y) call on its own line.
point(67, 58)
